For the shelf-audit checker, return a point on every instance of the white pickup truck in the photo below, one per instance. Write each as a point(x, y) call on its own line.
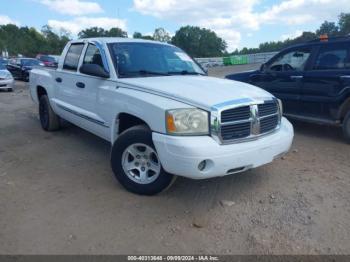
point(162, 115)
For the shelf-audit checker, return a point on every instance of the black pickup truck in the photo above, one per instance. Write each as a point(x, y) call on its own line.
point(312, 80)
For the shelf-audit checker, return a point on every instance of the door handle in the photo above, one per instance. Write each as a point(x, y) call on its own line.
point(345, 77)
point(296, 77)
point(80, 85)
point(58, 80)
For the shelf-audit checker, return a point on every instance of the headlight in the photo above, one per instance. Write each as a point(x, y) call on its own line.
point(280, 105)
point(189, 121)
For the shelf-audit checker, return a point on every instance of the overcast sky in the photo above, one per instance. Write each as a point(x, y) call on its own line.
point(240, 22)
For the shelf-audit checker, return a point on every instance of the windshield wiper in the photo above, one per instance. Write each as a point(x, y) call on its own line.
point(143, 72)
point(184, 72)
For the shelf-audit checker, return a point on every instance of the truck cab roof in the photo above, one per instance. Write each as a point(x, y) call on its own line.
point(321, 42)
point(108, 40)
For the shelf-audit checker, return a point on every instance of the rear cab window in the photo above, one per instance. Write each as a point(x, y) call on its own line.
point(332, 57)
point(71, 60)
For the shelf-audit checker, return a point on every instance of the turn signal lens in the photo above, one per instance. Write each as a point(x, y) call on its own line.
point(170, 123)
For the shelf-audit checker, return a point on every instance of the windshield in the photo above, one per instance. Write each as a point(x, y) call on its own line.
point(2, 67)
point(30, 62)
point(151, 59)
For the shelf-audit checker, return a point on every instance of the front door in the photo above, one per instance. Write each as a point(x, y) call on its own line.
point(282, 77)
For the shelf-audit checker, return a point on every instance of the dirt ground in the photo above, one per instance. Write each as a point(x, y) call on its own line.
point(58, 196)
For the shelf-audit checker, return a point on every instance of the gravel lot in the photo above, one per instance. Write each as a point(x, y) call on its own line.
point(58, 196)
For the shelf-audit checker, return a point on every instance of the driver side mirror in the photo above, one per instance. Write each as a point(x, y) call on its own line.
point(94, 70)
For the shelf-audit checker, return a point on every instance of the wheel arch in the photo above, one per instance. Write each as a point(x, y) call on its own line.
point(40, 91)
point(124, 121)
point(344, 109)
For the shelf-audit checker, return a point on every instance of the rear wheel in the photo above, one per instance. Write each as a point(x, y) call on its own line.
point(346, 127)
point(48, 119)
point(136, 164)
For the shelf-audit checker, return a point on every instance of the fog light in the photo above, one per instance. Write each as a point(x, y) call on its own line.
point(202, 165)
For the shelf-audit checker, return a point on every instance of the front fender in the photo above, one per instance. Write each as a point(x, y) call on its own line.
point(148, 107)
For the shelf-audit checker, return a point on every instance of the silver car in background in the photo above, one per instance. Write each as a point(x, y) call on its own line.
point(6, 79)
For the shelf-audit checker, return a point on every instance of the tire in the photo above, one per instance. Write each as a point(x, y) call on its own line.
point(48, 119)
point(346, 127)
point(25, 77)
point(9, 89)
point(128, 161)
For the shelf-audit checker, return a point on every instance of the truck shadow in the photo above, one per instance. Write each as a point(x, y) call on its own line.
point(183, 188)
point(332, 133)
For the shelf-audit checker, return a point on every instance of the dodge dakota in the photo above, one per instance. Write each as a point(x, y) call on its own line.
point(162, 114)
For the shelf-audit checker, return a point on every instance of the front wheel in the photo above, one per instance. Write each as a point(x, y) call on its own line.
point(136, 164)
point(346, 127)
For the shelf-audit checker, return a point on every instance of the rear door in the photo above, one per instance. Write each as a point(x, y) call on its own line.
point(324, 85)
point(68, 94)
point(282, 77)
point(77, 92)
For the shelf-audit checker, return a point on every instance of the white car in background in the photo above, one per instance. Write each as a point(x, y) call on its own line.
point(6, 79)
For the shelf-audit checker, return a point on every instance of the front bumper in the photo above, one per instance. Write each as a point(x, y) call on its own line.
point(182, 155)
point(4, 84)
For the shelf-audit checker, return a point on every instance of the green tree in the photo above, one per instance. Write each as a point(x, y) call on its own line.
point(147, 37)
point(116, 32)
point(100, 32)
point(328, 28)
point(199, 42)
point(344, 23)
point(276, 45)
point(161, 35)
point(92, 32)
point(30, 42)
point(138, 35)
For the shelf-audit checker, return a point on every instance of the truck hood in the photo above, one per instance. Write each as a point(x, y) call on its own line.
point(242, 76)
point(200, 91)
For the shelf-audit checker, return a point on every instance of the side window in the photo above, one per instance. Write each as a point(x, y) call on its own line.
point(72, 58)
point(93, 56)
point(292, 61)
point(332, 58)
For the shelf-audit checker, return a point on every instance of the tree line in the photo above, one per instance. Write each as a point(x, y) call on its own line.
point(332, 29)
point(196, 41)
point(29, 42)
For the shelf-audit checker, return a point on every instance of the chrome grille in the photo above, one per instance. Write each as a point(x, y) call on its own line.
point(235, 131)
point(249, 121)
point(269, 123)
point(235, 114)
point(268, 108)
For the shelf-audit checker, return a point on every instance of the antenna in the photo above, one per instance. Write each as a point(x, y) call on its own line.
point(118, 13)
